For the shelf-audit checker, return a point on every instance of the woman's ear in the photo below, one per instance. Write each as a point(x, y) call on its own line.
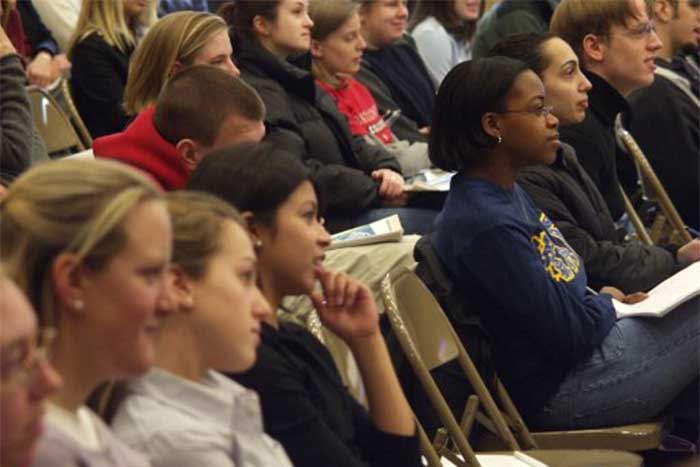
point(491, 125)
point(68, 277)
point(316, 49)
point(254, 228)
point(261, 26)
point(181, 288)
point(177, 66)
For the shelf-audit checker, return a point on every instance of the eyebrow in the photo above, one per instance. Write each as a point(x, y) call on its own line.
point(569, 62)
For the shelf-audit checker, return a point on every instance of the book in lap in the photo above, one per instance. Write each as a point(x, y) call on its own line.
point(388, 229)
point(666, 296)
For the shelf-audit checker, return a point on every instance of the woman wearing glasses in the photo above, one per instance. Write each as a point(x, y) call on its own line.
point(89, 243)
point(566, 360)
point(26, 378)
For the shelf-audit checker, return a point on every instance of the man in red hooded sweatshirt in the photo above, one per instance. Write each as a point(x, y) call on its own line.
point(201, 109)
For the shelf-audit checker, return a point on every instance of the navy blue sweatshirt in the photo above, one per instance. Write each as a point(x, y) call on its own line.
point(528, 284)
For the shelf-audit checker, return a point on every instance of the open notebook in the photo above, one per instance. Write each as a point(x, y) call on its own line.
point(388, 229)
point(663, 298)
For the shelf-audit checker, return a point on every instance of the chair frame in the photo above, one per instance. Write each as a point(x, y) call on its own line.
point(74, 115)
point(505, 423)
point(68, 135)
point(654, 190)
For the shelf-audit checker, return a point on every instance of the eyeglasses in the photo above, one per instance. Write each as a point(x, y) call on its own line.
point(542, 112)
point(644, 30)
point(20, 363)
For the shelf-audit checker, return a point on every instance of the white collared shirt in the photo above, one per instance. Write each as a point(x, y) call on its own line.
point(176, 422)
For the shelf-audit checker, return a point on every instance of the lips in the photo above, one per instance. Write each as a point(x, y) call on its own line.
point(583, 104)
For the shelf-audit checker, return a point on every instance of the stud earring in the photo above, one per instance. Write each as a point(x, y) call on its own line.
point(499, 140)
point(78, 304)
point(258, 243)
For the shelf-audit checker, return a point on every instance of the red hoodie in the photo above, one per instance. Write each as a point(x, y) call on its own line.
point(141, 146)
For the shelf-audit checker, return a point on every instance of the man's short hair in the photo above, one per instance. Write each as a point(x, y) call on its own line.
point(197, 101)
point(574, 19)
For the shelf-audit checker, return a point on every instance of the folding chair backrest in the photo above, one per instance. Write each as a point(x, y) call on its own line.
point(53, 125)
point(73, 113)
point(652, 187)
point(422, 317)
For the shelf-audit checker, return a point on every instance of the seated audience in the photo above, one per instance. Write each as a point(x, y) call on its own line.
point(20, 145)
point(27, 377)
point(89, 243)
point(60, 17)
point(183, 412)
point(510, 17)
point(393, 70)
point(177, 41)
point(305, 405)
point(34, 43)
point(363, 182)
point(565, 359)
point(336, 50)
point(201, 109)
point(443, 31)
point(665, 117)
point(616, 45)
point(100, 50)
point(566, 193)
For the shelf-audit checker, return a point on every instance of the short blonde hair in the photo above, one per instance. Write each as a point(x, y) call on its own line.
point(66, 206)
point(177, 37)
point(197, 220)
point(108, 18)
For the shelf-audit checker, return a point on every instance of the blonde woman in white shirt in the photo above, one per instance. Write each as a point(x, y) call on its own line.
point(88, 242)
point(183, 412)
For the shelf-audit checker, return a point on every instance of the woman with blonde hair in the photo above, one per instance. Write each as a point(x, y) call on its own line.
point(100, 50)
point(89, 243)
point(176, 41)
point(183, 412)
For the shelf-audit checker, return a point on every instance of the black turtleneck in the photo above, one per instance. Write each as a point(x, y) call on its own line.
point(594, 140)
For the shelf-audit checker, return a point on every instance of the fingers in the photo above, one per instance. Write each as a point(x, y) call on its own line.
point(636, 297)
point(339, 289)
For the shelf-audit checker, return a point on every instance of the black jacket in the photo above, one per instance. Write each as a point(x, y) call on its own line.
point(39, 36)
point(304, 120)
point(399, 80)
point(306, 407)
point(594, 141)
point(666, 124)
point(98, 79)
point(568, 196)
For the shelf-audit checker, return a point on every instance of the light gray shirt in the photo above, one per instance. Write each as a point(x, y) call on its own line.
point(439, 49)
point(181, 423)
point(58, 447)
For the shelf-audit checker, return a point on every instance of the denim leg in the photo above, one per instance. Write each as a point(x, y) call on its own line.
point(642, 368)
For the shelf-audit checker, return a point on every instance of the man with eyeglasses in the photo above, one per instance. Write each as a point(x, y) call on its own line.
point(26, 378)
point(616, 45)
point(664, 118)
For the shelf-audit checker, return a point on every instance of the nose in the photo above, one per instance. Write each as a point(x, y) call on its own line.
point(308, 22)
point(654, 42)
point(46, 380)
point(324, 238)
point(166, 301)
point(403, 10)
point(261, 308)
point(231, 68)
point(585, 84)
point(552, 121)
point(361, 43)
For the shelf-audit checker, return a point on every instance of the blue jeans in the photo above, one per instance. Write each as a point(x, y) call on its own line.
point(643, 368)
